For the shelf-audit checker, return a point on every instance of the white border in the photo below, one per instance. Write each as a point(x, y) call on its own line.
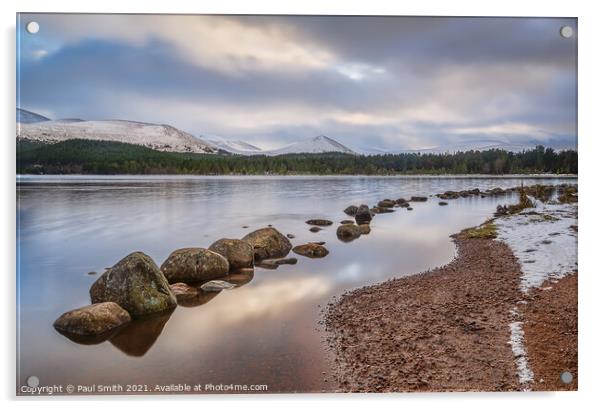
point(590, 150)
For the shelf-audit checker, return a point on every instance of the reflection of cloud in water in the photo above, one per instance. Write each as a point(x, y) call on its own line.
point(350, 273)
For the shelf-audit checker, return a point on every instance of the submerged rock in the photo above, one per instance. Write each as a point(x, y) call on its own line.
point(240, 277)
point(92, 324)
point(136, 284)
point(311, 250)
point(351, 210)
point(273, 264)
point(315, 229)
point(319, 222)
point(238, 253)
point(183, 291)
point(386, 203)
point(442, 203)
point(419, 199)
point(400, 201)
point(190, 265)
point(363, 215)
point(268, 243)
point(290, 236)
point(348, 232)
point(379, 210)
point(217, 285)
point(364, 228)
point(347, 222)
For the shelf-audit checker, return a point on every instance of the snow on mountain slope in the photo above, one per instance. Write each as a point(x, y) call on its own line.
point(236, 147)
point(27, 117)
point(318, 144)
point(154, 136)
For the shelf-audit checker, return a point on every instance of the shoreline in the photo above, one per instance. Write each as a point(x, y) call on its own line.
point(466, 326)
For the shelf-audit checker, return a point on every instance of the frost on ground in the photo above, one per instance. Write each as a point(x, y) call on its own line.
point(525, 374)
point(544, 239)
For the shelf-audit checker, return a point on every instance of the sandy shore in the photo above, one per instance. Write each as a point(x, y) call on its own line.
point(449, 329)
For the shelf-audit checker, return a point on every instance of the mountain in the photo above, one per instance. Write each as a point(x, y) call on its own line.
point(27, 117)
point(318, 144)
point(236, 147)
point(154, 136)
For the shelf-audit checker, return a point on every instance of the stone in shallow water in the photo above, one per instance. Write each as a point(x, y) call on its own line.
point(268, 243)
point(319, 222)
point(311, 250)
point(93, 323)
point(351, 210)
point(348, 232)
point(136, 284)
point(363, 215)
point(315, 229)
point(238, 253)
point(190, 265)
point(217, 285)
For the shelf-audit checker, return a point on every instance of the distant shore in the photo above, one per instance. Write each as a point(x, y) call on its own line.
point(467, 326)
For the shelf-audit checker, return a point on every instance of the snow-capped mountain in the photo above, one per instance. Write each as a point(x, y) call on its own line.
point(154, 136)
point(318, 144)
point(27, 117)
point(236, 147)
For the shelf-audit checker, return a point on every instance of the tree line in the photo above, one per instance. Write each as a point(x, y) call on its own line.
point(78, 156)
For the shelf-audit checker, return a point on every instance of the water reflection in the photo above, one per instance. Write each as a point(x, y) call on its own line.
point(262, 331)
point(141, 334)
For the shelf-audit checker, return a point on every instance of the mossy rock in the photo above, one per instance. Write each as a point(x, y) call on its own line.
point(136, 284)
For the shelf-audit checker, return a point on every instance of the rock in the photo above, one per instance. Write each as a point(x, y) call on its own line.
point(238, 253)
point(217, 285)
point(404, 204)
point(138, 337)
point(92, 273)
point(191, 265)
point(347, 222)
point(311, 250)
point(386, 203)
point(418, 198)
point(364, 228)
point(400, 201)
point(321, 243)
point(502, 210)
point(93, 323)
point(319, 222)
point(442, 203)
point(290, 236)
point(315, 229)
point(409, 208)
point(268, 243)
point(183, 291)
point(136, 284)
point(348, 232)
point(363, 215)
point(380, 210)
point(273, 264)
point(351, 210)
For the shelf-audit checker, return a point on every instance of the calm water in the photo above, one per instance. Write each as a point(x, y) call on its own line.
point(264, 332)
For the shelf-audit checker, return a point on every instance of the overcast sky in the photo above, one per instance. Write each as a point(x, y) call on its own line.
point(369, 82)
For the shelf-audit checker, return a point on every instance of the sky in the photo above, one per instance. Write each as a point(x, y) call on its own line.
point(371, 83)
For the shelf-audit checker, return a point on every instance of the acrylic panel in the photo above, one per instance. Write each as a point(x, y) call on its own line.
point(272, 204)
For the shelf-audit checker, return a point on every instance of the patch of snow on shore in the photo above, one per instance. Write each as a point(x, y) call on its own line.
point(525, 374)
point(543, 241)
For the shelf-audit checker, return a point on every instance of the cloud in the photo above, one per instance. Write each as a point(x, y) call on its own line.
point(387, 83)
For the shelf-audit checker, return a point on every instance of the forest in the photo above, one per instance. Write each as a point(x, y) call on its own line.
point(78, 156)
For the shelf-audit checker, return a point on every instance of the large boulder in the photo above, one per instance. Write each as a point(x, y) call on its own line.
point(268, 243)
point(238, 253)
point(136, 284)
point(191, 265)
point(363, 215)
point(319, 222)
point(348, 232)
point(311, 250)
point(351, 210)
point(95, 322)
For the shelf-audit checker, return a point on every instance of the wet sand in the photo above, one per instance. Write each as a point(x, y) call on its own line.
point(442, 330)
